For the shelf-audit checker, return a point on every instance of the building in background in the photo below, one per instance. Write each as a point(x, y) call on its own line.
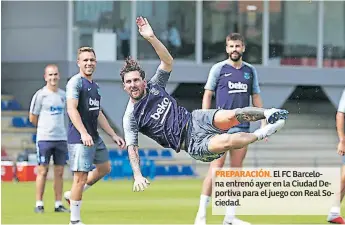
point(298, 47)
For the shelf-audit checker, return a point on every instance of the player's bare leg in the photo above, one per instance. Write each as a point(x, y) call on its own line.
point(225, 119)
point(93, 177)
point(58, 187)
point(236, 160)
point(98, 173)
point(200, 218)
point(79, 181)
point(334, 214)
point(41, 179)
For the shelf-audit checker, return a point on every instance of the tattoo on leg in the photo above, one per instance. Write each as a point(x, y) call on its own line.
point(249, 114)
point(94, 181)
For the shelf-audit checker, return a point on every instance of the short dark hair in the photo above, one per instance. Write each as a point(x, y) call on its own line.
point(131, 65)
point(235, 37)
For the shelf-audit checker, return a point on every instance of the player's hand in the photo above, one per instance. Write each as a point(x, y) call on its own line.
point(119, 141)
point(341, 148)
point(140, 184)
point(144, 28)
point(86, 139)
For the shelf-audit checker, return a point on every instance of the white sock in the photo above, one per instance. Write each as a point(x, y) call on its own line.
point(75, 210)
point(204, 200)
point(230, 213)
point(86, 186)
point(57, 204)
point(335, 210)
point(39, 203)
point(259, 133)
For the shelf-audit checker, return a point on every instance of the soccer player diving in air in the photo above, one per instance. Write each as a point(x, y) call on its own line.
point(156, 114)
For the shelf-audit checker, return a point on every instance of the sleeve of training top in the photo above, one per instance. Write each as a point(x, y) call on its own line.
point(341, 107)
point(73, 87)
point(130, 126)
point(160, 78)
point(213, 76)
point(36, 103)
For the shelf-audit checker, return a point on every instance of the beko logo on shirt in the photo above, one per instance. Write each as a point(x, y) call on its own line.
point(93, 104)
point(163, 108)
point(56, 110)
point(237, 87)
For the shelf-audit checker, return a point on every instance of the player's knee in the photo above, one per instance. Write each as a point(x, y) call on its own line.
point(59, 171)
point(80, 178)
point(219, 163)
point(228, 142)
point(107, 169)
point(42, 171)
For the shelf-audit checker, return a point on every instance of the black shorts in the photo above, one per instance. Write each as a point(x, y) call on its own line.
point(57, 149)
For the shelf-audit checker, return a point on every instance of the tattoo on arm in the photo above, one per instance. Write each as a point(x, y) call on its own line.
point(134, 160)
point(249, 114)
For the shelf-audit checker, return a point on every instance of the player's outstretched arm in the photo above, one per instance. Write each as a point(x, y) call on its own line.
point(104, 124)
point(130, 128)
point(140, 182)
point(146, 31)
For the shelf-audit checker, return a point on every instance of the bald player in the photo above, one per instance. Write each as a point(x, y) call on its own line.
point(47, 112)
point(85, 146)
point(334, 214)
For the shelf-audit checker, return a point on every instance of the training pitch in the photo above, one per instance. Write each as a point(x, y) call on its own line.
point(113, 202)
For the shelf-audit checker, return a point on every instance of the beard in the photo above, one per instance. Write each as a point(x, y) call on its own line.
point(137, 97)
point(235, 58)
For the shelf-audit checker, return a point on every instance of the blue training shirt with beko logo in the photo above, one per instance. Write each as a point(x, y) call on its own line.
point(89, 100)
point(157, 115)
point(233, 87)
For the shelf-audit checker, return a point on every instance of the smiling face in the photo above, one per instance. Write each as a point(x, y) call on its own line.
point(52, 75)
point(133, 78)
point(134, 85)
point(86, 61)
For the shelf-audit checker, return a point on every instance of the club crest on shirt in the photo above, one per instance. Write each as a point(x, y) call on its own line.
point(246, 75)
point(154, 91)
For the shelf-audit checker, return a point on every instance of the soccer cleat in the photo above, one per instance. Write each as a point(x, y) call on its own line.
point(335, 218)
point(39, 209)
point(235, 221)
point(76, 223)
point(61, 208)
point(200, 220)
point(269, 129)
point(273, 115)
point(67, 196)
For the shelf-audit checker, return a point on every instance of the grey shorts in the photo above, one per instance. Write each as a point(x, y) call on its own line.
point(83, 157)
point(200, 131)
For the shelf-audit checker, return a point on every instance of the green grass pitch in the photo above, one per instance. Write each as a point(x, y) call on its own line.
point(113, 202)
